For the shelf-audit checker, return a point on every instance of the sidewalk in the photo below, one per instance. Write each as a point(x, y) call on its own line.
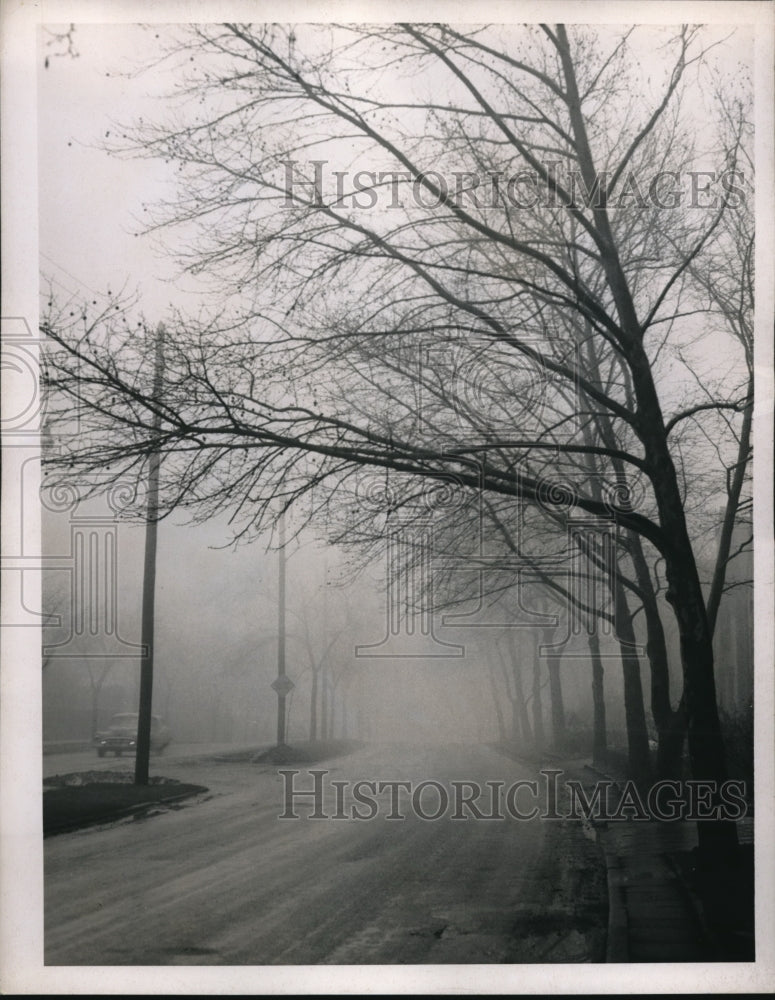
point(651, 917)
point(662, 905)
point(655, 913)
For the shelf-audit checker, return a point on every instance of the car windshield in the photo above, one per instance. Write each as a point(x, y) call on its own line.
point(130, 719)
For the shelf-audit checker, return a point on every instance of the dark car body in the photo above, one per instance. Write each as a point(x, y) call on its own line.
point(121, 735)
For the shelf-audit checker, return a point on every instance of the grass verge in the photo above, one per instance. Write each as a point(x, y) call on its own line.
point(70, 806)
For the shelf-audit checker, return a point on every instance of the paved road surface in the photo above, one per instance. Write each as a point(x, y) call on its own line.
point(225, 881)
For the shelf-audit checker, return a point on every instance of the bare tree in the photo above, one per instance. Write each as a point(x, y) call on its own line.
point(292, 386)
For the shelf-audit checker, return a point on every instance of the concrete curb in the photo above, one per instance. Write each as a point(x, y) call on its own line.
point(617, 945)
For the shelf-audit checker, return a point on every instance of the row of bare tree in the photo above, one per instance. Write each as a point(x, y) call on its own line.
point(502, 273)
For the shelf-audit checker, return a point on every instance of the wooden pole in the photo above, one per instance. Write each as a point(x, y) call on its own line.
point(142, 759)
point(281, 693)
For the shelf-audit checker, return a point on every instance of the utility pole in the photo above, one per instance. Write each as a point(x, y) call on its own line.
point(142, 758)
point(282, 685)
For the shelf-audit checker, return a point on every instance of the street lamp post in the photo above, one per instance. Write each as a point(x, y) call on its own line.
point(283, 685)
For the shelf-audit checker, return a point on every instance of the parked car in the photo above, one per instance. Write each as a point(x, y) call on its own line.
point(121, 735)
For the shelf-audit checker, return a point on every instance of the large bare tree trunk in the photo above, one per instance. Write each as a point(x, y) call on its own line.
point(705, 741)
point(671, 725)
point(730, 516)
point(706, 746)
point(638, 754)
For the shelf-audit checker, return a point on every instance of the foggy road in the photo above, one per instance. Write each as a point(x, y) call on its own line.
point(225, 881)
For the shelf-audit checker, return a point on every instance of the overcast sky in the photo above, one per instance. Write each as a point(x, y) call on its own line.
point(91, 203)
